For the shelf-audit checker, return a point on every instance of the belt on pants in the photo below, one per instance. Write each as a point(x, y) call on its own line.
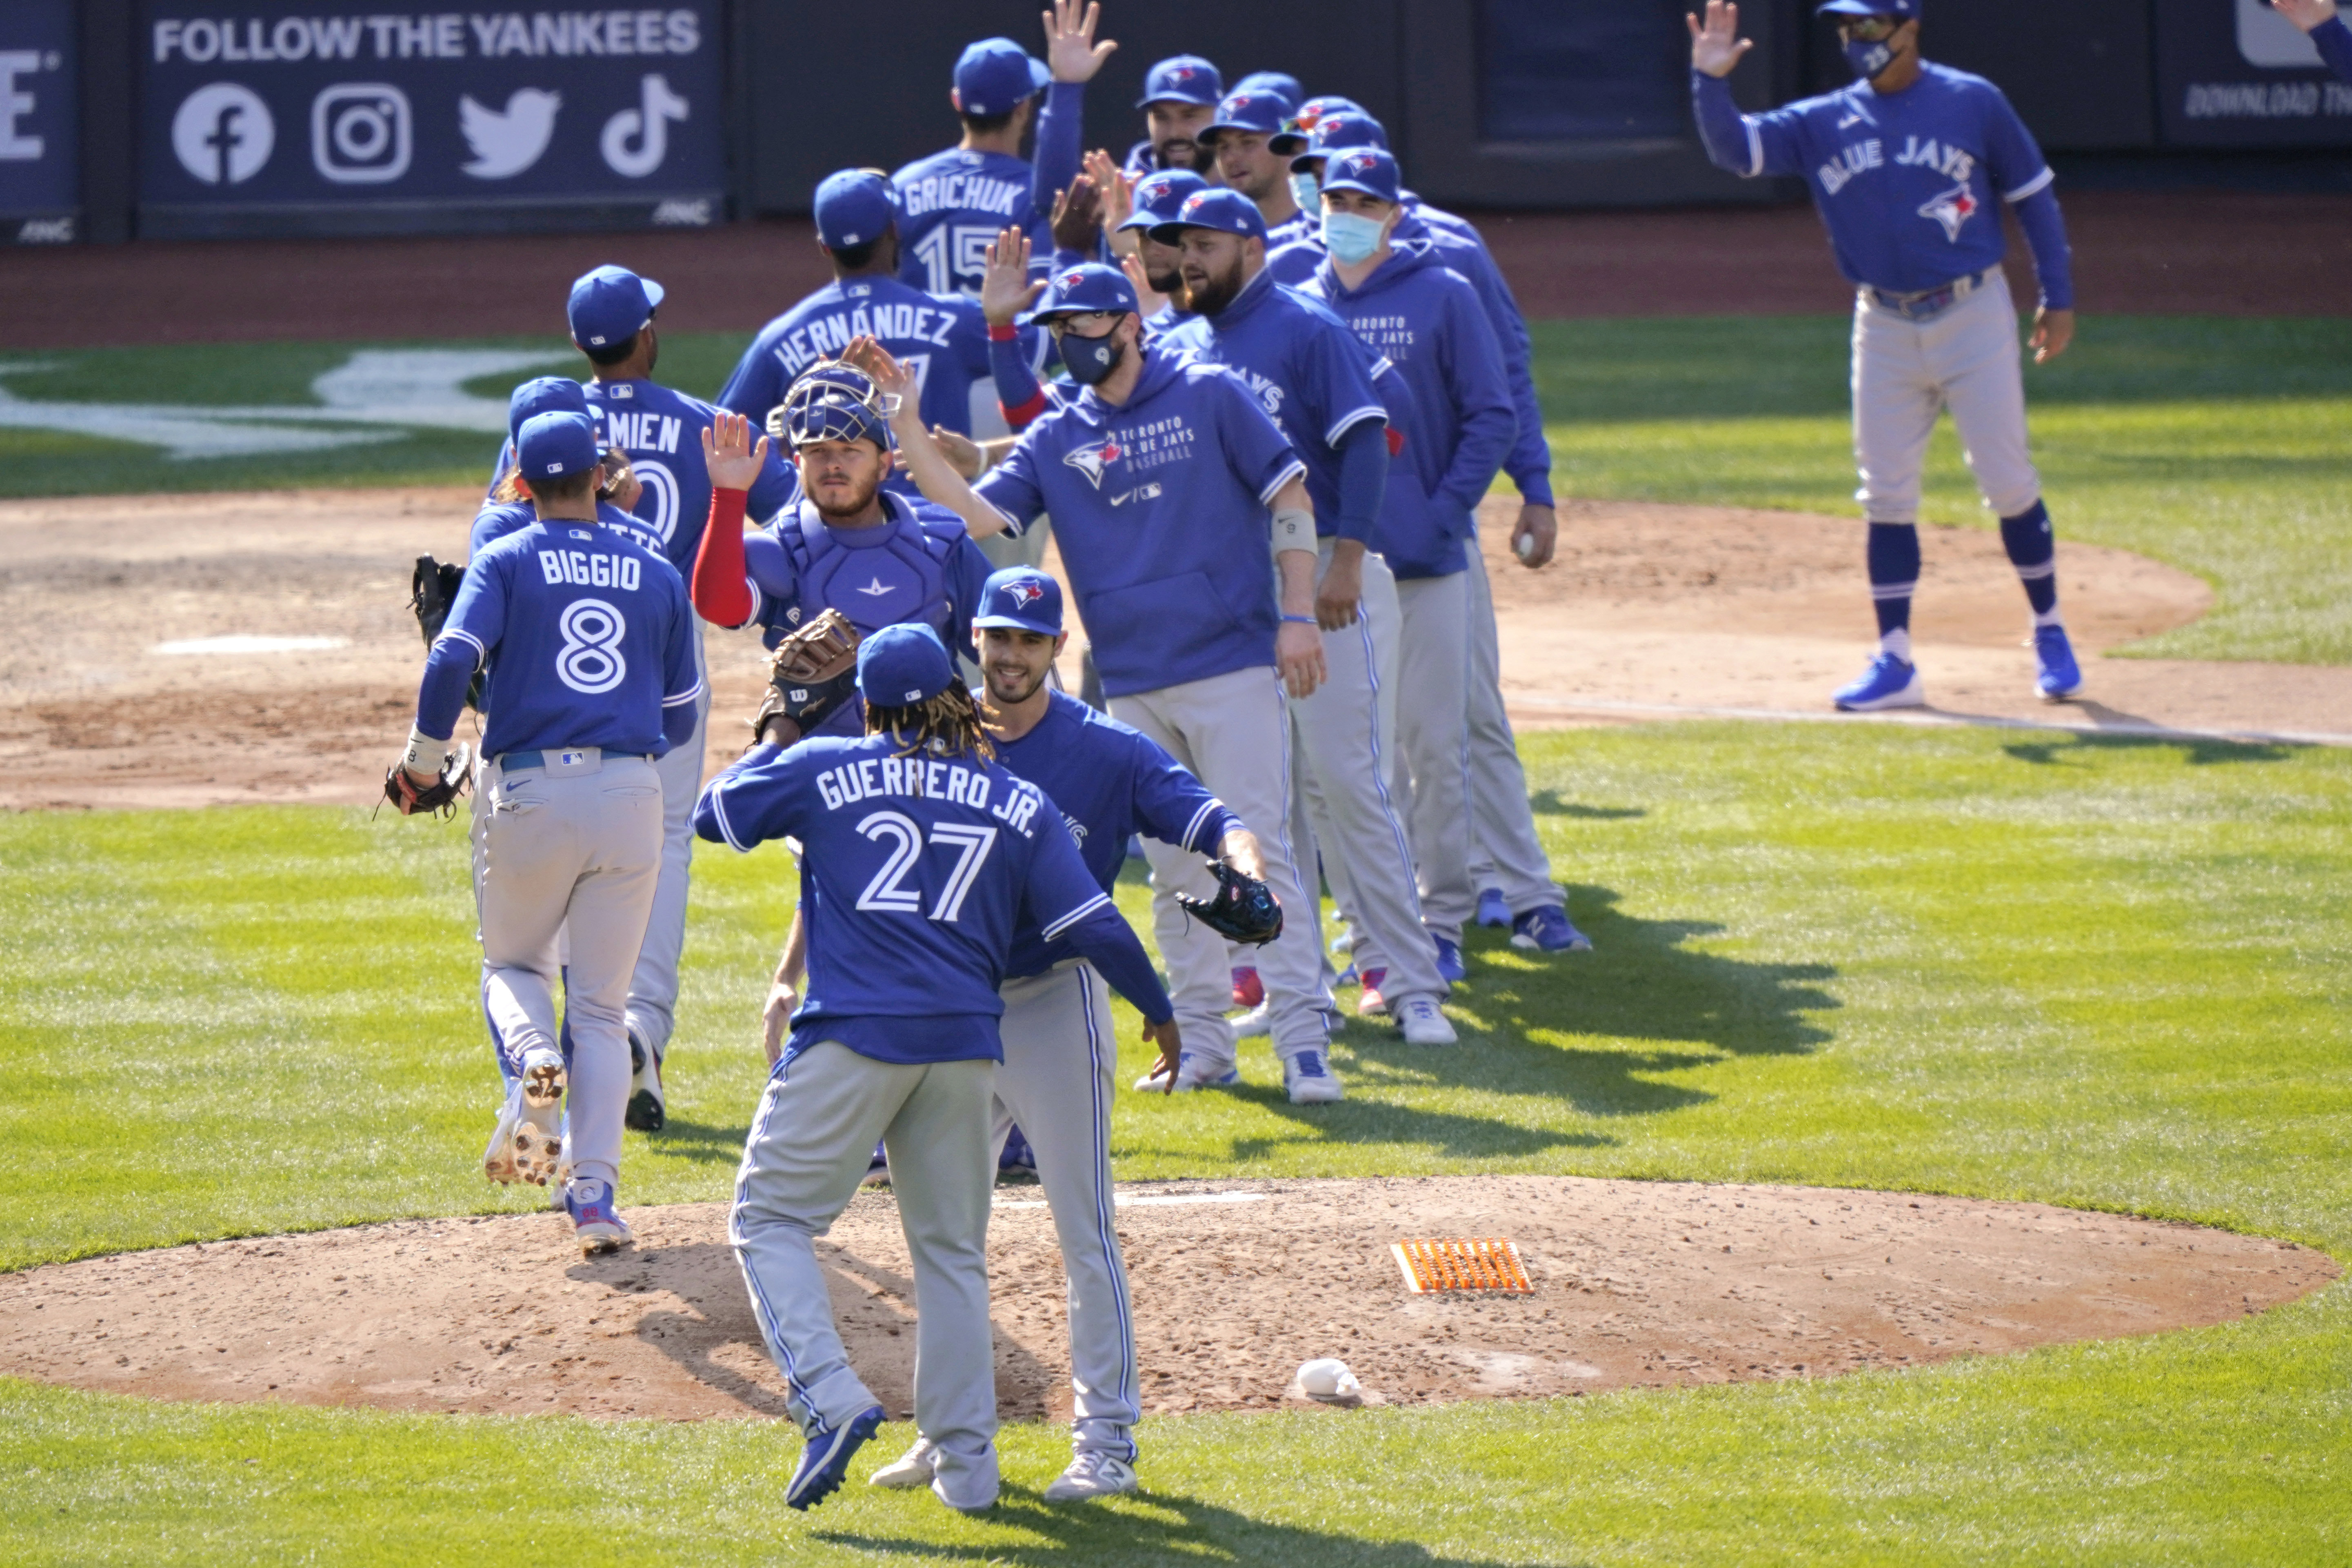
point(570, 756)
point(1930, 302)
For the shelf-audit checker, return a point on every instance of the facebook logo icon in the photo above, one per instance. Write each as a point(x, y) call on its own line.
point(222, 133)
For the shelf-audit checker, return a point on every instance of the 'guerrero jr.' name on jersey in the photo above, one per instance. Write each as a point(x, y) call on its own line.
point(852, 783)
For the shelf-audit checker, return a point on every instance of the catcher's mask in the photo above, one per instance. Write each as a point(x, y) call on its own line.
point(834, 402)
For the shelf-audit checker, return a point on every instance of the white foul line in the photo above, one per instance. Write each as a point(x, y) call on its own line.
point(1140, 1200)
point(1933, 721)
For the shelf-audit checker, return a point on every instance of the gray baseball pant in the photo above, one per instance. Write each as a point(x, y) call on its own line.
point(653, 989)
point(1505, 851)
point(1061, 1059)
point(809, 1148)
point(1435, 736)
point(1347, 772)
point(1232, 731)
point(1965, 358)
point(572, 846)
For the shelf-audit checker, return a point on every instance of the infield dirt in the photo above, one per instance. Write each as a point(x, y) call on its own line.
point(1234, 1284)
point(1649, 611)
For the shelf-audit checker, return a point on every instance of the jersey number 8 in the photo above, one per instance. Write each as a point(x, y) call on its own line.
point(884, 892)
point(590, 660)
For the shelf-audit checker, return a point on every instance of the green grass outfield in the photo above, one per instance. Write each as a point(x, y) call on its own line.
point(2108, 972)
point(2215, 445)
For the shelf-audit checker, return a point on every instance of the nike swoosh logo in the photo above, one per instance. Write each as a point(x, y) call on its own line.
point(1122, 500)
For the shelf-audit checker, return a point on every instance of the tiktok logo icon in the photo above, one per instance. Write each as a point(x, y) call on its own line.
point(222, 133)
point(636, 140)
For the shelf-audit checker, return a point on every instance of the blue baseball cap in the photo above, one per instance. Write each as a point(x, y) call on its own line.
point(1264, 112)
point(1350, 128)
point(1225, 210)
point(1903, 8)
point(1315, 107)
point(902, 665)
point(994, 74)
point(1184, 79)
point(609, 304)
point(544, 395)
point(1159, 197)
point(1083, 289)
point(1281, 83)
point(1023, 598)
point(1367, 169)
point(551, 445)
point(852, 208)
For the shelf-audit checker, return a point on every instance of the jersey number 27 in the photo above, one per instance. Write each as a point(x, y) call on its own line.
point(886, 891)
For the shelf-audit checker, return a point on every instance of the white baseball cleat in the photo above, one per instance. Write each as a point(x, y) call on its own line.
point(1424, 1025)
point(1310, 1079)
point(498, 1159)
point(908, 1471)
point(542, 1075)
point(1192, 1071)
point(526, 1144)
point(1092, 1474)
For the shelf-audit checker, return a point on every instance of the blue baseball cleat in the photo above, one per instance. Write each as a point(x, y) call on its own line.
point(1887, 683)
point(1018, 1161)
point(595, 1219)
point(1492, 911)
point(2061, 677)
point(1449, 961)
point(1548, 928)
point(825, 1460)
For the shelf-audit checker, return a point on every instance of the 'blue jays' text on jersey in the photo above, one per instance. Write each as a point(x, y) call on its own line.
point(1909, 183)
point(915, 872)
point(941, 338)
point(951, 203)
point(498, 519)
point(1159, 509)
point(1311, 375)
point(1426, 320)
point(588, 637)
point(661, 430)
point(1109, 782)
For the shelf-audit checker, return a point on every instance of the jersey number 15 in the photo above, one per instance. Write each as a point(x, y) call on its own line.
point(955, 255)
point(886, 891)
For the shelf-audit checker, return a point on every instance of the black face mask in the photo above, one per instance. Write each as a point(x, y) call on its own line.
point(1090, 361)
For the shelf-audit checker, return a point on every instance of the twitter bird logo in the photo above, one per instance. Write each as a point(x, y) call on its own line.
point(506, 144)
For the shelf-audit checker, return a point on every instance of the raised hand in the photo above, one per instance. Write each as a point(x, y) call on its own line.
point(2305, 14)
point(1076, 220)
point(1070, 47)
point(962, 453)
point(1716, 44)
point(1004, 288)
point(727, 450)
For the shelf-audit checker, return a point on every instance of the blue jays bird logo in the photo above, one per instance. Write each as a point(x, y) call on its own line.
point(1951, 208)
point(1024, 594)
point(1092, 460)
point(1361, 164)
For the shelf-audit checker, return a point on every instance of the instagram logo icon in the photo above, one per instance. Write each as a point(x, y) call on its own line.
point(360, 132)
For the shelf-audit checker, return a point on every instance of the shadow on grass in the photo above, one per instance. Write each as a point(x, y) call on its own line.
point(1547, 803)
point(1153, 1528)
point(2196, 751)
point(702, 1143)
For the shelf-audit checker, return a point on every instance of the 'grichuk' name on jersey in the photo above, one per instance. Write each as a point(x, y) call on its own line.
point(1860, 157)
point(868, 778)
point(973, 193)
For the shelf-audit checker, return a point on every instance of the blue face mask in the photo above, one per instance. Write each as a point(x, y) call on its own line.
point(1089, 361)
point(1307, 191)
point(1352, 237)
point(1868, 59)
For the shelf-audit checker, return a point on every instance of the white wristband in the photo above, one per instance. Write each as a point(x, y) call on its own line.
point(424, 754)
point(1294, 529)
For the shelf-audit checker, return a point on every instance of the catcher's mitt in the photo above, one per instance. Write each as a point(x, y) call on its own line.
point(812, 673)
point(408, 797)
point(1244, 909)
point(432, 591)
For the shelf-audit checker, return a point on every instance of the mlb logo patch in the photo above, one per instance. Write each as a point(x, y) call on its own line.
point(914, 696)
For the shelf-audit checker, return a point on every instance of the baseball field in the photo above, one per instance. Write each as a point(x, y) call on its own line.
point(1940, 1157)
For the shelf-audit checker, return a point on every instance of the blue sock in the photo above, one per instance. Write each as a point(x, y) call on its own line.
point(1894, 559)
point(2033, 549)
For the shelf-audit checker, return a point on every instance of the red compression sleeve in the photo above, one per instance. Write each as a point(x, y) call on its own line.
point(721, 593)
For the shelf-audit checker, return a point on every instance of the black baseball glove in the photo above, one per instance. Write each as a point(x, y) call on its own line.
point(432, 591)
point(408, 797)
point(812, 673)
point(1244, 909)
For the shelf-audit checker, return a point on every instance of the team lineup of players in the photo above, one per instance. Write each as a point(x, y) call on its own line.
point(1260, 390)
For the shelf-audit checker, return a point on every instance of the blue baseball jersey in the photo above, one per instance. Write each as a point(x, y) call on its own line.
point(1909, 183)
point(661, 430)
point(498, 519)
point(1426, 319)
point(1312, 376)
point(1109, 782)
point(941, 338)
point(588, 637)
point(951, 203)
point(916, 871)
point(1159, 509)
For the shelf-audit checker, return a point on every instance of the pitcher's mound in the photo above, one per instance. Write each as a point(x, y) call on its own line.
point(1234, 1286)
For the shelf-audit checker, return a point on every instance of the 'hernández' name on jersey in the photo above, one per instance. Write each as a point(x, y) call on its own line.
point(588, 637)
point(1159, 509)
point(1110, 781)
point(1908, 183)
point(661, 430)
point(916, 871)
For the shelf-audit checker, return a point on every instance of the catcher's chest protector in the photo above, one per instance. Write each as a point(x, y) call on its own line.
point(876, 576)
